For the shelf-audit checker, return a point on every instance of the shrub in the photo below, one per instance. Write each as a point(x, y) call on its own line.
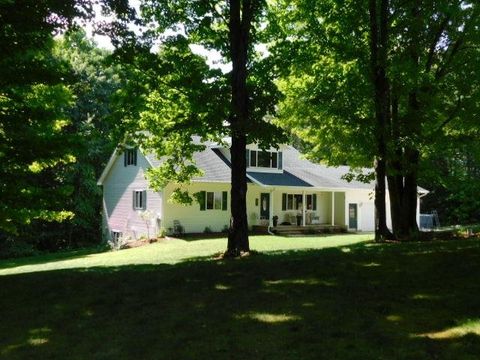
point(207, 230)
point(16, 248)
point(162, 232)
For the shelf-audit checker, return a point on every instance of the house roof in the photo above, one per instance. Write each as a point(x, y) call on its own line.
point(298, 172)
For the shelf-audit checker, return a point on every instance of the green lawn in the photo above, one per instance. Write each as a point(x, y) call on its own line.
point(300, 298)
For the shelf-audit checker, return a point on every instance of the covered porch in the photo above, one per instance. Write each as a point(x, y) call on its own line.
point(288, 208)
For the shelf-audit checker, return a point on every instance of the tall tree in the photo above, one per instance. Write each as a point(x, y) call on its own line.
point(379, 28)
point(423, 57)
point(185, 106)
point(93, 81)
point(33, 103)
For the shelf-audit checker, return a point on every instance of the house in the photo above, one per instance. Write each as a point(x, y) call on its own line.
point(281, 183)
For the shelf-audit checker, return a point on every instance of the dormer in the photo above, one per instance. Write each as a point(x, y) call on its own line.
point(259, 160)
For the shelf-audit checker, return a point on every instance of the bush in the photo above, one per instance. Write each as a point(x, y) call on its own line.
point(207, 230)
point(15, 249)
point(162, 232)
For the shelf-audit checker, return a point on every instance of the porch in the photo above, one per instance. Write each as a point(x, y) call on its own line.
point(287, 209)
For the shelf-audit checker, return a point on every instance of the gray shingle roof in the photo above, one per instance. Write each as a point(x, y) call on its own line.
point(297, 172)
point(213, 167)
point(319, 175)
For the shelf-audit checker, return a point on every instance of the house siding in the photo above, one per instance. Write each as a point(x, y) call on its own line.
point(191, 217)
point(118, 188)
point(366, 208)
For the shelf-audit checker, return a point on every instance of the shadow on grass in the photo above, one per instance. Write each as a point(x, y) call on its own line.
point(357, 302)
point(51, 257)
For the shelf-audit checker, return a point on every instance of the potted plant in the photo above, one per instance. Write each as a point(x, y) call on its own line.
point(275, 221)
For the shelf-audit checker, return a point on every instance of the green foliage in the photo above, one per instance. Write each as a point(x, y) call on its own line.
point(322, 54)
point(34, 144)
point(177, 96)
point(93, 81)
point(207, 230)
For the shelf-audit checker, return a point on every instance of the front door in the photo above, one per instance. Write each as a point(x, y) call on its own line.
point(352, 216)
point(265, 206)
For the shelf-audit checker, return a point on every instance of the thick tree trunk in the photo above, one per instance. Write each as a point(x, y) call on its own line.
point(239, 28)
point(403, 190)
point(378, 47)
point(395, 177)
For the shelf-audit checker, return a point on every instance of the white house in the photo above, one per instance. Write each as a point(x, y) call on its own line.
point(280, 183)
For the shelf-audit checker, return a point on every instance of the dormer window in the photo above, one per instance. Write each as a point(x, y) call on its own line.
point(264, 159)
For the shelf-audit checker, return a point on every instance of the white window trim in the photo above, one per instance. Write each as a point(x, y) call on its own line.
point(143, 205)
point(116, 235)
point(217, 200)
point(256, 167)
point(130, 154)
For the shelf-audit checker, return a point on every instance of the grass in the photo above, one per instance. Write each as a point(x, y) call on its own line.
point(170, 251)
point(298, 299)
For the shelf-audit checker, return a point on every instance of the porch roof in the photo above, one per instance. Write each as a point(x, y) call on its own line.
point(274, 179)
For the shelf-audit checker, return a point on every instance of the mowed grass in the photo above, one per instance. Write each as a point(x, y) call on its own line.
point(170, 251)
point(299, 300)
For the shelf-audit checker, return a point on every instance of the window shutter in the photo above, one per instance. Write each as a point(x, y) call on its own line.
point(224, 200)
point(125, 156)
point(144, 199)
point(280, 160)
point(284, 201)
point(247, 157)
point(314, 199)
point(201, 200)
point(134, 156)
point(133, 197)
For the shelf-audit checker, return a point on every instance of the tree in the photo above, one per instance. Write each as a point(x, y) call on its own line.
point(422, 56)
point(93, 81)
point(33, 103)
point(180, 103)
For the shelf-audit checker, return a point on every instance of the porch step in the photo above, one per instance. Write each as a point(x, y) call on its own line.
point(294, 230)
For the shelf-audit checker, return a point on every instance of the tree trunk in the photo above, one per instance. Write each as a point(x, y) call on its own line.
point(239, 27)
point(378, 48)
point(395, 169)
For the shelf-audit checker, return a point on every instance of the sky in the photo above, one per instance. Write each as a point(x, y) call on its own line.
point(213, 58)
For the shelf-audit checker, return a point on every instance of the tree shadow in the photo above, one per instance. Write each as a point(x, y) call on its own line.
point(51, 257)
point(354, 302)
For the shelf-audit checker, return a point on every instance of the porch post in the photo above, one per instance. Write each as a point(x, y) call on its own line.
point(333, 208)
point(270, 220)
point(303, 208)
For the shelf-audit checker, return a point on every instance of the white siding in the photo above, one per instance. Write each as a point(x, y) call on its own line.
point(366, 215)
point(191, 218)
point(118, 189)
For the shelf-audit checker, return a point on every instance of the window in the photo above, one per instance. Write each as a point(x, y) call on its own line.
point(289, 202)
point(116, 236)
point(294, 201)
point(264, 159)
point(139, 199)
point(214, 201)
point(253, 158)
point(130, 157)
point(311, 201)
point(210, 200)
